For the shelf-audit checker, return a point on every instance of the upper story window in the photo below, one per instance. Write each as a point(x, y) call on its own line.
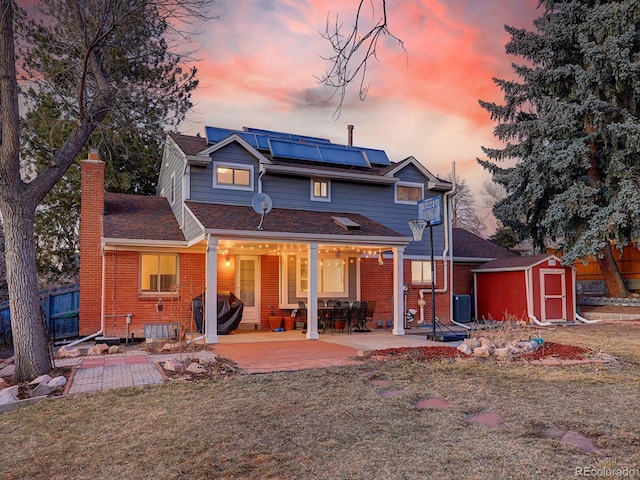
point(158, 273)
point(320, 190)
point(233, 176)
point(410, 193)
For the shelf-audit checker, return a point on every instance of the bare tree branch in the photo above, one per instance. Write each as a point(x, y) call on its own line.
point(353, 52)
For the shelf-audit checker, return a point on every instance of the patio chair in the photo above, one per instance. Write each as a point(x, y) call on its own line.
point(340, 317)
point(359, 317)
point(371, 308)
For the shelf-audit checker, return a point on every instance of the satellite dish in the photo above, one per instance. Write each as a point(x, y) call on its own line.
point(261, 203)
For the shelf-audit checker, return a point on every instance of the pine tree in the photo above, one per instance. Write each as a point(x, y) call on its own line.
point(571, 131)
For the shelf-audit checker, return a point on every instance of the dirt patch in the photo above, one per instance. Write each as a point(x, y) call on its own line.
point(214, 370)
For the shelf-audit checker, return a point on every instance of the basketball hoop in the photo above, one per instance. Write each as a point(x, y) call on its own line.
point(417, 227)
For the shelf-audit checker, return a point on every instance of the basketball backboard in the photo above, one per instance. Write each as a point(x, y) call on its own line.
point(430, 210)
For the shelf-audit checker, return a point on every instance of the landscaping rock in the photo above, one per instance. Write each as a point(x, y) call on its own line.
point(41, 379)
point(485, 342)
point(114, 349)
point(9, 395)
point(196, 368)
point(167, 347)
point(504, 353)
point(42, 390)
point(58, 381)
point(528, 346)
point(69, 353)
point(98, 349)
point(471, 343)
point(465, 348)
point(173, 365)
point(482, 352)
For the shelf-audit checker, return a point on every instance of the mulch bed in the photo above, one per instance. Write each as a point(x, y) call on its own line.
point(423, 354)
point(431, 354)
point(559, 351)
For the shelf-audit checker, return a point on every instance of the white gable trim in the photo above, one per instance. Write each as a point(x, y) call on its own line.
point(434, 183)
point(238, 139)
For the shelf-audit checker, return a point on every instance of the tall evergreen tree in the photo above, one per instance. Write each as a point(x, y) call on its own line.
point(571, 131)
point(78, 63)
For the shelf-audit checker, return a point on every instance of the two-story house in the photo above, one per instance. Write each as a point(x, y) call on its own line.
point(274, 218)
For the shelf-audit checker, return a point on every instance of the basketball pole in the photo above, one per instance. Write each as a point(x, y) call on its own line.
point(433, 285)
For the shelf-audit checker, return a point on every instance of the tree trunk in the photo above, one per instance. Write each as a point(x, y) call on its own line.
point(611, 274)
point(29, 336)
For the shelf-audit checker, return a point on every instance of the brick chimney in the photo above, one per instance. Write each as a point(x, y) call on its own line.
point(91, 217)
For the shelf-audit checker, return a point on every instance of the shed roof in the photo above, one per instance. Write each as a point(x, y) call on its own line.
point(515, 263)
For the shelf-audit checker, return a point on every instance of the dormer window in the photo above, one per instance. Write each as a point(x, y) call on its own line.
point(320, 190)
point(410, 193)
point(233, 176)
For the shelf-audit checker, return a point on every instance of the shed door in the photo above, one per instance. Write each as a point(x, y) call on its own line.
point(554, 295)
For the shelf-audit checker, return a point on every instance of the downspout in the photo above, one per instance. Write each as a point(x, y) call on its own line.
point(102, 293)
point(445, 252)
point(262, 173)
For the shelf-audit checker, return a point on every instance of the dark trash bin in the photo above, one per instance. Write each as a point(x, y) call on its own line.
point(229, 312)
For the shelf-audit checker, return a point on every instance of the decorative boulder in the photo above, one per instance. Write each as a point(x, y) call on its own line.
point(58, 381)
point(482, 352)
point(471, 343)
point(196, 368)
point(41, 379)
point(9, 395)
point(171, 346)
point(173, 365)
point(98, 349)
point(485, 342)
point(68, 353)
point(464, 348)
point(114, 349)
point(42, 390)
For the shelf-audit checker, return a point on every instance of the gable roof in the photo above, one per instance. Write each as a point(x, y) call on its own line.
point(140, 217)
point(516, 263)
point(290, 223)
point(435, 183)
point(473, 247)
point(189, 144)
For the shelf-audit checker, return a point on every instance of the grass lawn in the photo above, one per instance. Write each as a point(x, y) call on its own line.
point(335, 424)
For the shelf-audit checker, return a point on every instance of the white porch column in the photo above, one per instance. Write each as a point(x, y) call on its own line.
point(312, 299)
point(398, 293)
point(211, 293)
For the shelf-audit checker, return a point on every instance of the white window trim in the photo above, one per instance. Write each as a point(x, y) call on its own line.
point(407, 184)
point(435, 271)
point(320, 199)
point(236, 166)
point(147, 293)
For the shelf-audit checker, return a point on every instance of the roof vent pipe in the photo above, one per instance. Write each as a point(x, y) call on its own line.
point(350, 129)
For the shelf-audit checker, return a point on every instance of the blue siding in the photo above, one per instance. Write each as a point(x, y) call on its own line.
point(371, 200)
point(202, 178)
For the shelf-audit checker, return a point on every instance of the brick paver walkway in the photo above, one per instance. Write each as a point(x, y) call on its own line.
point(101, 373)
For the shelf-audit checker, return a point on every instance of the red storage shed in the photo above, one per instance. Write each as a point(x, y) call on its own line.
point(537, 288)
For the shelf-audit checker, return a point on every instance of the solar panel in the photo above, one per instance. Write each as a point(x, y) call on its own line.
point(301, 147)
point(317, 153)
point(294, 150)
point(341, 156)
point(289, 136)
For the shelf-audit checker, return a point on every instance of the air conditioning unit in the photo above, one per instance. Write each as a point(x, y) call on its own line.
point(462, 308)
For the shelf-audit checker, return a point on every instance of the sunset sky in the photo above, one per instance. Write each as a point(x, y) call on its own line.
point(260, 61)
